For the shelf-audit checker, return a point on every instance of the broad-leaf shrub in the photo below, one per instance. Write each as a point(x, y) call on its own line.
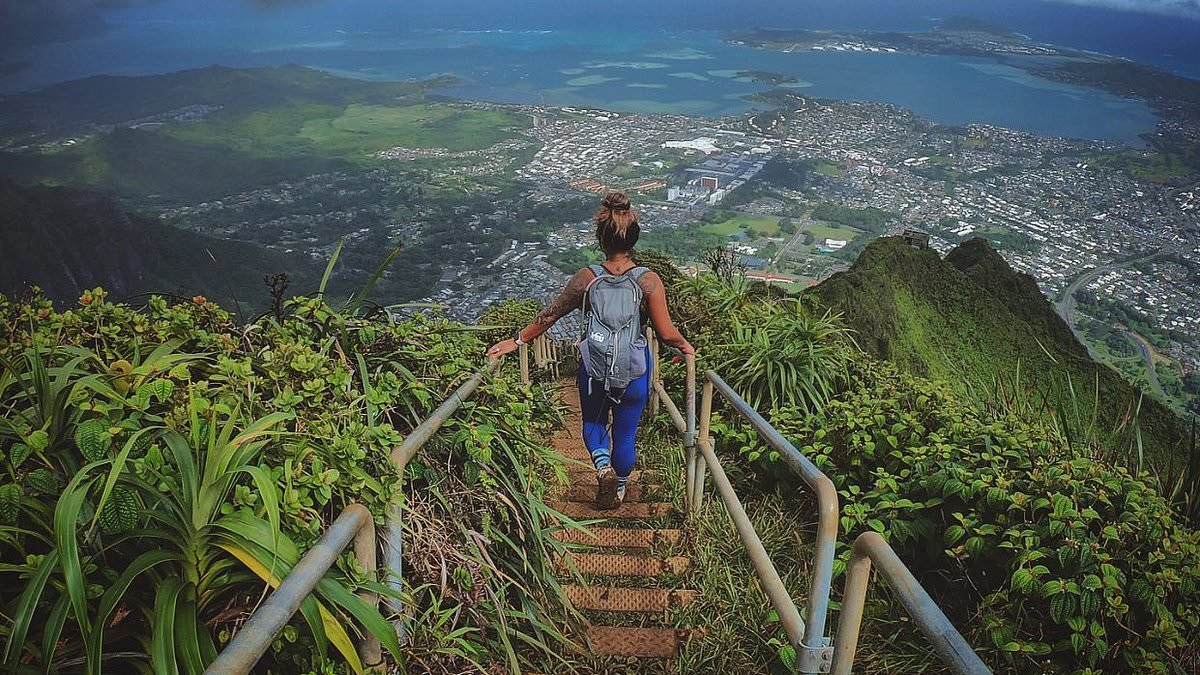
point(157, 465)
point(1062, 563)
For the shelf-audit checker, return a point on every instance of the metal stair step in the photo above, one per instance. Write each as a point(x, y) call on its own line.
point(587, 475)
point(625, 565)
point(636, 642)
point(580, 510)
point(614, 599)
point(582, 492)
point(619, 537)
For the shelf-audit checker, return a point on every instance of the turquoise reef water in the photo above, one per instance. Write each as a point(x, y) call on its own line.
point(639, 67)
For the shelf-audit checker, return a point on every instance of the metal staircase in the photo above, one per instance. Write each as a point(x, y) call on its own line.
point(640, 542)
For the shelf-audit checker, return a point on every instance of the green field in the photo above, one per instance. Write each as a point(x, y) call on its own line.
point(369, 128)
point(234, 151)
point(822, 232)
point(830, 170)
point(766, 226)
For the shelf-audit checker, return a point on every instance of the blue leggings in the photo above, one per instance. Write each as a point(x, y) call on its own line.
point(597, 406)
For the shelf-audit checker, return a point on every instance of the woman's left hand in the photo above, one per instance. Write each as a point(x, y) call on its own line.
point(501, 348)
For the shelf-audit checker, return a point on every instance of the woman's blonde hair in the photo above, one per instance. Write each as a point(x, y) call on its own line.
point(617, 227)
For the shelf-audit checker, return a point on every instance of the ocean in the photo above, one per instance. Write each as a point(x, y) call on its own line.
point(649, 56)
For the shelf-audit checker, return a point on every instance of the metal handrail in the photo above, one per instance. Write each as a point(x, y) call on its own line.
point(871, 547)
point(814, 651)
point(355, 523)
point(394, 561)
point(814, 645)
point(255, 637)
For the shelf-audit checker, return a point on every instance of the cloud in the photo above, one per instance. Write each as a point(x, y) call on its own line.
point(1184, 8)
point(30, 22)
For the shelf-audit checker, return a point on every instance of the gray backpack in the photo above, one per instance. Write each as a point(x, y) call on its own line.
point(613, 346)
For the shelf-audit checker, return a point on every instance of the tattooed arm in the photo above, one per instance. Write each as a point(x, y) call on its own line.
point(569, 300)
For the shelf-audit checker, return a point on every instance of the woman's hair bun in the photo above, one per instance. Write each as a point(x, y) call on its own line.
point(616, 201)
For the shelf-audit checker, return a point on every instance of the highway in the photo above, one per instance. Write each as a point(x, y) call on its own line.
point(1066, 300)
point(1065, 306)
point(1152, 373)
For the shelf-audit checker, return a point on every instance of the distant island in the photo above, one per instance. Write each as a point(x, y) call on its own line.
point(955, 36)
point(766, 77)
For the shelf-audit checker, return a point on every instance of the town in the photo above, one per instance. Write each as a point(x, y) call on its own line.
point(797, 191)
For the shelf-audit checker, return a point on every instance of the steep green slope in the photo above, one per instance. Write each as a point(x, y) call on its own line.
point(203, 135)
point(68, 240)
point(109, 99)
point(973, 322)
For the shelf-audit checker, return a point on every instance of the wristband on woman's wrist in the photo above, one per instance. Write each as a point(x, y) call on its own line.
point(517, 338)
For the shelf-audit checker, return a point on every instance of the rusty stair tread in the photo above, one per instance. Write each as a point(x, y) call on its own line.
point(616, 599)
point(578, 510)
point(619, 537)
point(582, 492)
point(636, 642)
point(587, 474)
point(625, 564)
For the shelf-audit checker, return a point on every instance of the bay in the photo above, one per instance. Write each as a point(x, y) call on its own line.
point(647, 66)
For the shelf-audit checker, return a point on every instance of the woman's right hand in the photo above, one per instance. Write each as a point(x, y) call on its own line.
point(501, 348)
point(686, 348)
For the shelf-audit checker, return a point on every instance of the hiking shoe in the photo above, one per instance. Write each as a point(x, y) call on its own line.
point(606, 489)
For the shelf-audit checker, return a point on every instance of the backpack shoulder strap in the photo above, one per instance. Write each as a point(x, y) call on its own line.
point(599, 271)
point(636, 273)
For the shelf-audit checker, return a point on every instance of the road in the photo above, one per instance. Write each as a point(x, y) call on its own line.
point(1065, 306)
point(1066, 300)
point(1151, 371)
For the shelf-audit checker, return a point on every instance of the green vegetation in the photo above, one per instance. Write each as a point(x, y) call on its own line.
point(756, 226)
point(1051, 559)
point(822, 232)
point(364, 130)
point(868, 220)
point(572, 260)
point(134, 164)
point(245, 139)
point(970, 321)
point(66, 240)
point(1046, 549)
point(829, 170)
point(686, 243)
point(1152, 167)
point(76, 106)
point(782, 354)
point(159, 469)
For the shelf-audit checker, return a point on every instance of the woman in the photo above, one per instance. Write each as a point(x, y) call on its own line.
point(613, 454)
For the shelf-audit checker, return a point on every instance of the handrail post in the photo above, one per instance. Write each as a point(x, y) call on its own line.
point(930, 619)
point(689, 434)
point(768, 576)
point(523, 355)
point(815, 642)
point(366, 552)
point(696, 492)
point(813, 653)
point(393, 553)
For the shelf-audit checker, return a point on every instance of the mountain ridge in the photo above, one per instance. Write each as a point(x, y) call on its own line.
point(66, 240)
point(969, 319)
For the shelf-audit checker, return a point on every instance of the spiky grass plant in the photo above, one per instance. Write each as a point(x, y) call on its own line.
point(784, 354)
